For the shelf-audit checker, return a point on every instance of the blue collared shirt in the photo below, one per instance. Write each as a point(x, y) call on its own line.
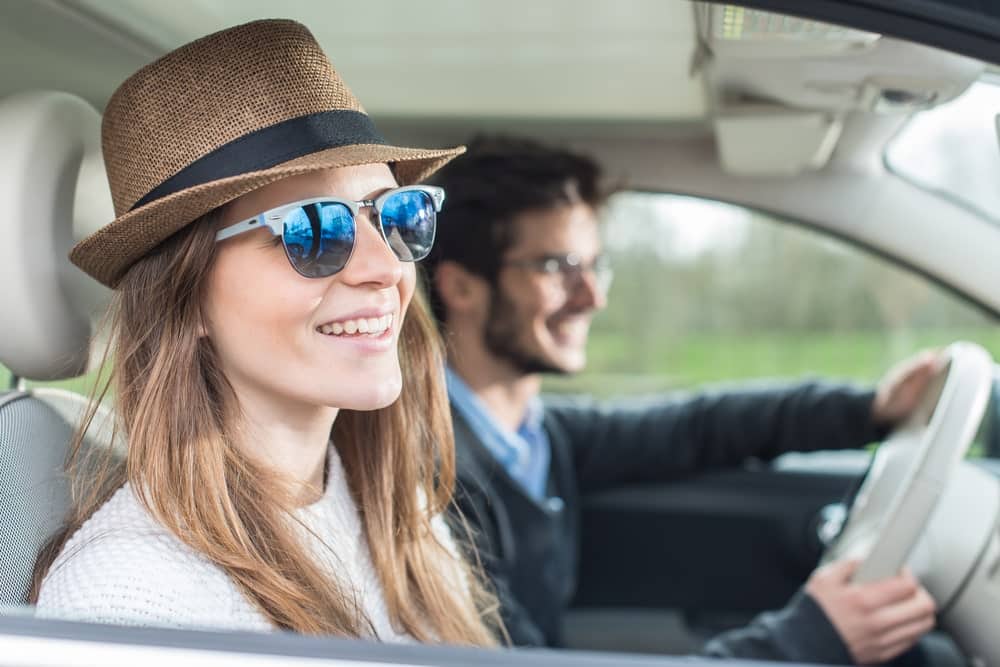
point(524, 454)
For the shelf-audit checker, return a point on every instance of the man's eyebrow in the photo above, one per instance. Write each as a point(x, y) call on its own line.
point(559, 254)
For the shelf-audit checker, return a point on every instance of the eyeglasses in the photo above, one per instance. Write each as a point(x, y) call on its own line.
point(570, 267)
point(319, 233)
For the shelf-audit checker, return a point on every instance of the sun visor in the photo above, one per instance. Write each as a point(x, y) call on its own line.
point(774, 141)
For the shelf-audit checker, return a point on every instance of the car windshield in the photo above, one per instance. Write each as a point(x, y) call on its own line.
point(952, 149)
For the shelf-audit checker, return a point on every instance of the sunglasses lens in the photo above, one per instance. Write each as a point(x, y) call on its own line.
point(409, 221)
point(319, 238)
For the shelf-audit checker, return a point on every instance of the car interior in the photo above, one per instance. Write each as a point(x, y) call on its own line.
point(779, 114)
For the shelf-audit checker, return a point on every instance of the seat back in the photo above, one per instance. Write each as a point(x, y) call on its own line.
point(33, 492)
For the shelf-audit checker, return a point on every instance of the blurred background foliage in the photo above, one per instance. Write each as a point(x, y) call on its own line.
point(706, 292)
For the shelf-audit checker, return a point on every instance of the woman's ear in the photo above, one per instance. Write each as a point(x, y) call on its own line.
point(461, 291)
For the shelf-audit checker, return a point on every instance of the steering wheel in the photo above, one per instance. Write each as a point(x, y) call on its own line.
point(912, 468)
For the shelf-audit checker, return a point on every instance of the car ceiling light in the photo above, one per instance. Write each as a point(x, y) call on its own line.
point(767, 34)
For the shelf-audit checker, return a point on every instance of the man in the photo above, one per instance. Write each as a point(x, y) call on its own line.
point(515, 277)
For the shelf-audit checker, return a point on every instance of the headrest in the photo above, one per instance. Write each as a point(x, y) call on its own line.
point(53, 191)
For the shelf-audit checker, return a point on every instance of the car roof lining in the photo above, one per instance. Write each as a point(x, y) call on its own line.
point(674, 151)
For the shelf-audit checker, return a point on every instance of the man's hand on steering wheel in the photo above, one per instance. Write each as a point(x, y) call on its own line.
point(876, 621)
point(900, 389)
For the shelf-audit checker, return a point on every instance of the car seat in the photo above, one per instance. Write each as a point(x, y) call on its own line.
point(53, 189)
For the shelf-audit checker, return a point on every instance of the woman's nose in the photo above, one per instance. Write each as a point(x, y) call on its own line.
point(372, 261)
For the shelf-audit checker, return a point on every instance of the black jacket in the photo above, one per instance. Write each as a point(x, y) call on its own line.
point(529, 549)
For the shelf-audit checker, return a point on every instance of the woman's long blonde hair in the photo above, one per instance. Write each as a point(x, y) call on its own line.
point(178, 413)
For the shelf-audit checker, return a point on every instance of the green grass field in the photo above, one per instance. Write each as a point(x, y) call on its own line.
point(620, 365)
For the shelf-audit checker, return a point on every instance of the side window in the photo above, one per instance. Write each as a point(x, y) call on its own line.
point(706, 292)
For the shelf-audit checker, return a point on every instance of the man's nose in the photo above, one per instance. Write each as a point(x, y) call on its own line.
point(588, 293)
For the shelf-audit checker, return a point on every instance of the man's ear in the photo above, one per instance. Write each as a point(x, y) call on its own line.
point(461, 291)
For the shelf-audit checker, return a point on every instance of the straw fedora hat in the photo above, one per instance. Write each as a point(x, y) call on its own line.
point(222, 116)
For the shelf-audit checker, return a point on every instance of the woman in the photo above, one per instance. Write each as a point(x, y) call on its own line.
point(262, 258)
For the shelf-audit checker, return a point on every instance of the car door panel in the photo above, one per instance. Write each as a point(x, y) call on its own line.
point(697, 556)
point(736, 540)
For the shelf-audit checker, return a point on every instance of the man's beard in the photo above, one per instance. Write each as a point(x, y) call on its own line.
point(503, 335)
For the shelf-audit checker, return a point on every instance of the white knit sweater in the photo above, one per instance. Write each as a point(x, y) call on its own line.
point(123, 567)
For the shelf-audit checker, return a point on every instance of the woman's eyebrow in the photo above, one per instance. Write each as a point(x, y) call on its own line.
point(375, 194)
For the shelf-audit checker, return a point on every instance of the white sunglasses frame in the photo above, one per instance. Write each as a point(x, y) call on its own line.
point(273, 219)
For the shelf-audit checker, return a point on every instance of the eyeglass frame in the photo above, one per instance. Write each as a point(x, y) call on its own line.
point(273, 219)
point(569, 266)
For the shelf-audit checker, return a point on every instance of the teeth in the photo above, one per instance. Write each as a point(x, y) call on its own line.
point(372, 326)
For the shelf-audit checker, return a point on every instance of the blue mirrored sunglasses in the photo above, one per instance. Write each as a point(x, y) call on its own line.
point(318, 234)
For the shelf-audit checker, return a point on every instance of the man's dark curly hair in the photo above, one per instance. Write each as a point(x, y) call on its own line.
point(498, 179)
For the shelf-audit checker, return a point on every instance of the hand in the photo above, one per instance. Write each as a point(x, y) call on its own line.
point(899, 390)
point(876, 621)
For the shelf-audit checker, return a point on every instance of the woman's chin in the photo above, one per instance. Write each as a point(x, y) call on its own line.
point(370, 397)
